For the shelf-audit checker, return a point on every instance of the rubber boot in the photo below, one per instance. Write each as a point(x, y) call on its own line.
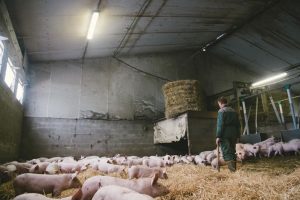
point(232, 165)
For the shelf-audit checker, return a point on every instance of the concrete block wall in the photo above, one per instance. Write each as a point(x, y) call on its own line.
point(101, 106)
point(71, 105)
point(77, 137)
point(11, 116)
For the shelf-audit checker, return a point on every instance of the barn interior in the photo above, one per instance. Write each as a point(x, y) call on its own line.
point(84, 78)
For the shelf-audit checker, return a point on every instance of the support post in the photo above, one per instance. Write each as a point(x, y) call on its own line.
point(247, 119)
point(256, 113)
point(281, 114)
point(275, 109)
point(288, 90)
point(245, 116)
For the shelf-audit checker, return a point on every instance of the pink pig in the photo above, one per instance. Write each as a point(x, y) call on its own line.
point(114, 192)
point(147, 186)
point(142, 171)
point(43, 183)
point(34, 196)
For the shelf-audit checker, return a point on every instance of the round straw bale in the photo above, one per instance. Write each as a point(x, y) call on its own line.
point(181, 96)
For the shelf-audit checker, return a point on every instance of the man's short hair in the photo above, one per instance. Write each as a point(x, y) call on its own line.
point(222, 100)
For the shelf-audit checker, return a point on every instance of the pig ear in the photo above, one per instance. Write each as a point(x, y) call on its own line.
point(74, 175)
point(36, 167)
point(154, 179)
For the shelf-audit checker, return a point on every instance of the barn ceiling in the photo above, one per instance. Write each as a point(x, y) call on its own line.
point(261, 35)
point(56, 29)
point(269, 43)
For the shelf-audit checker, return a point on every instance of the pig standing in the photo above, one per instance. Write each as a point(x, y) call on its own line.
point(114, 192)
point(69, 167)
point(264, 146)
point(277, 148)
point(154, 161)
point(147, 186)
point(140, 171)
point(292, 146)
point(244, 151)
point(39, 168)
point(42, 183)
point(134, 161)
point(168, 160)
point(34, 196)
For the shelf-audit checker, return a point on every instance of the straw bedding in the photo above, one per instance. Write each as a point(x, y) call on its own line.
point(275, 178)
point(181, 96)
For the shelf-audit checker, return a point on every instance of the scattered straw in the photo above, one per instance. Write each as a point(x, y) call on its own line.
point(6, 191)
point(272, 179)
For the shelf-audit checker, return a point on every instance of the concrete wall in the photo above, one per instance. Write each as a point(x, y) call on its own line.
point(11, 116)
point(11, 111)
point(101, 106)
point(217, 73)
point(104, 88)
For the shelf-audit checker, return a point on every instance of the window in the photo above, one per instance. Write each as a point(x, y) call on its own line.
point(10, 75)
point(1, 53)
point(20, 92)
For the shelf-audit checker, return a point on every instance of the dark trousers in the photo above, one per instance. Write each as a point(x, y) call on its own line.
point(228, 148)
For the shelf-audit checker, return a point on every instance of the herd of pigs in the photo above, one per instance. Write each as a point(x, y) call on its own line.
point(53, 175)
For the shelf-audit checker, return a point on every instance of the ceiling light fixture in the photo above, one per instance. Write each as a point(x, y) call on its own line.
point(269, 80)
point(92, 25)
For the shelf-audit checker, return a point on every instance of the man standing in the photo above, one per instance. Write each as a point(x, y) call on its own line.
point(228, 132)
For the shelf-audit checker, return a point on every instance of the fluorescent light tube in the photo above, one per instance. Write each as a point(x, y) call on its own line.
point(268, 80)
point(92, 25)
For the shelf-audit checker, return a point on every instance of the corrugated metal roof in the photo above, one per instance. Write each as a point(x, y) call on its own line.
point(56, 29)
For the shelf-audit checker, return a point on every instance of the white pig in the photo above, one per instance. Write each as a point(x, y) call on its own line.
point(110, 168)
point(154, 162)
point(69, 167)
point(39, 168)
point(146, 186)
point(277, 148)
point(114, 192)
point(141, 171)
point(199, 160)
point(52, 168)
point(214, 163)
point(292, 146)
point(204, 154)
point(34, 196)
point(42, 183)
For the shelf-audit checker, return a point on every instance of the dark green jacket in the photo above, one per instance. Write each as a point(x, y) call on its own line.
point(228, 124)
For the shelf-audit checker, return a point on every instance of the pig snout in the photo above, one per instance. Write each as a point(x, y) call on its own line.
point(159, 190)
